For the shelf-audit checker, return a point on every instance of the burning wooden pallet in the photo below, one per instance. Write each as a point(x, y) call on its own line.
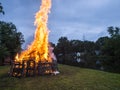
point(30, 68)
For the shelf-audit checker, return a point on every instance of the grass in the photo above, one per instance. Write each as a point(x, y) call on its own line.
point(70, 78)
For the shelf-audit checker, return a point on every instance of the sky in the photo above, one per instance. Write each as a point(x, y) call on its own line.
point(73, 19)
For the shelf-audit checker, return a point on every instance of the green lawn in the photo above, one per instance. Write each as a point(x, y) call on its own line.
point(70, 78)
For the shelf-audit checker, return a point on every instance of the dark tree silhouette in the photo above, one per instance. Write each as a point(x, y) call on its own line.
point(10, 40)
point(1, 9)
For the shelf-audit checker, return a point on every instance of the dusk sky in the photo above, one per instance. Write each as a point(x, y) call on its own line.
point(71, 18)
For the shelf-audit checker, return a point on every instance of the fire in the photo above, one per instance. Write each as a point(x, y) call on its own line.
point(39, 48)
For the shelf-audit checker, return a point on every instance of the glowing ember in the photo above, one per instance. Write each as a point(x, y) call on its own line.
point(39, 48)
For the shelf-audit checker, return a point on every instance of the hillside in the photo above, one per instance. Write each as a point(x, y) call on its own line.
point(70, 78)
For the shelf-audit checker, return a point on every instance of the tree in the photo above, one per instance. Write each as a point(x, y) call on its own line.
point(114, 32)
point(77, 46)
point(99, 44)
point(1, 9)
point(10, 40)
point(111, 45)
point(3, 53)
point(111, 50)
point(89, 47)
point(63, 47)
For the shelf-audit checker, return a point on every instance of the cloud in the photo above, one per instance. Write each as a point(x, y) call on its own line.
point(95, 3)
point(70, 18)
point(78, 17)
point(76, 31)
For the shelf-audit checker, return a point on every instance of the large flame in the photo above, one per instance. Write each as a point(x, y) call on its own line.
point(39, 48)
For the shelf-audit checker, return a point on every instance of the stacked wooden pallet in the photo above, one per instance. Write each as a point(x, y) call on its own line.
point(30, 68)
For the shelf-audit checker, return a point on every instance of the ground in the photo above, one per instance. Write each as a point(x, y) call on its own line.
point(70, 78)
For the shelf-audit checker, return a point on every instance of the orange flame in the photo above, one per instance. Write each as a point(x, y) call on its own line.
point(38, 50)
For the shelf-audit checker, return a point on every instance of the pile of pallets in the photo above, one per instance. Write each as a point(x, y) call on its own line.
point(30, 68)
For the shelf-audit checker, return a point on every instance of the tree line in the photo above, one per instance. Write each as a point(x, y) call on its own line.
point(103, 54)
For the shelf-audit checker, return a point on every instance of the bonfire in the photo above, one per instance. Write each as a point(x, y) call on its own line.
point(39, 47)
point(38, 55)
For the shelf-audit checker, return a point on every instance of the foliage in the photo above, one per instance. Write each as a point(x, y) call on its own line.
point(76, 46)
point(112, 50)
point(89, 47)
point(63, 47)
point(101, 42)
point(10, 40)
point(1, 9)
point(3, 53)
